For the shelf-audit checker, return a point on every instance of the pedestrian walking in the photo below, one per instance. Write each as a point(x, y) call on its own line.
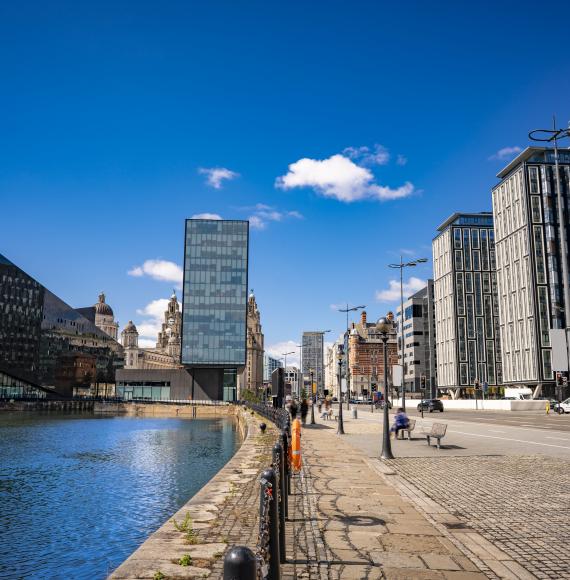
point(304, 410)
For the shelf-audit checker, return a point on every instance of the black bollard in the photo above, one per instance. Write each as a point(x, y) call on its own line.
point(240, 564)
point(263, 427)
point(287, 478)
point(278, 461)
point(270, 477)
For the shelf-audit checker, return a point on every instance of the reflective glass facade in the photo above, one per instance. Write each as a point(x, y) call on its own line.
point(215, 293)
point(45, 342)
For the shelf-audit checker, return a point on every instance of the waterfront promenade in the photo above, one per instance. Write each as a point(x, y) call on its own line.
point(429, 515)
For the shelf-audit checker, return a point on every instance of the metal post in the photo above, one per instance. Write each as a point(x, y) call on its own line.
point(402, 331)
point(287, 472)
point(313, 401)
point(269, 479)
point(386, 444)
point(240, 564)
point(340, 427)
point(563, 248)
point(280, 496)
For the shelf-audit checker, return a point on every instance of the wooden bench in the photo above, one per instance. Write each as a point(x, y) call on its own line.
point(437, 432)
point(411, 426)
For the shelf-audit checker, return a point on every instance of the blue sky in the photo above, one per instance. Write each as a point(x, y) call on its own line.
point(110, 110)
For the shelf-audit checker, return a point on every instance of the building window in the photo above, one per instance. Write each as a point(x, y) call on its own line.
point(543, 316)
point(458, 260)
point(546, 364)
point(535, 208)
point(456, 238)
point(475, 239)
point(467, 249)
point(468, 282)
point(476, 260)
point(539, 255)
point(533, 178)
point(460, 294)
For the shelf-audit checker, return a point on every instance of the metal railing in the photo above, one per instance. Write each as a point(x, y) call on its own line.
point(240, 562)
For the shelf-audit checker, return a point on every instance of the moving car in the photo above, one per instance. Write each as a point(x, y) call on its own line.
point(564, 407)
point(431, 405)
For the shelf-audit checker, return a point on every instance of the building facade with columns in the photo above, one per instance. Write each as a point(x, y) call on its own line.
point(166, 354)
point(366, 356)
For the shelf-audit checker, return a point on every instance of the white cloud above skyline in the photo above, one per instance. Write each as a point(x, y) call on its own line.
point(505, 153)
point(162, 270)
point(215, 176)
point(263, 214)
point(206, 216)
point(277, 350)
point(151, 324)
point(392, 293)
point(339, 177)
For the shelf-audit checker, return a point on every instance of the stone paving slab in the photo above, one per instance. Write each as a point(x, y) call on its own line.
point(347, 521)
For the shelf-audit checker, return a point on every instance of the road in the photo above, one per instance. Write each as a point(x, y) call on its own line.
point(471, 433)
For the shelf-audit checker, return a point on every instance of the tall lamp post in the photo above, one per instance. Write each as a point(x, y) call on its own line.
point(340, 426)
point(347, 310)
point(401, 267)
point(552, 136)
point(384, 327)
point(312, 399)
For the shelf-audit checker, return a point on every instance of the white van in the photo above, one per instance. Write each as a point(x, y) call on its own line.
point(565, 406)
point(518, 393)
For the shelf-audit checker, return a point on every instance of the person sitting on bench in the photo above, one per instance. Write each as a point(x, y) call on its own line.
point(401, 421)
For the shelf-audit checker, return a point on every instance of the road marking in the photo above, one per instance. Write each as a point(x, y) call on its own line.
point(559, 438)
point(509, 439)
point(494, 431)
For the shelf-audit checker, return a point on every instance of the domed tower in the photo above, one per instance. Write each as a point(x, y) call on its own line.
point(105, 319)
point(130, 339)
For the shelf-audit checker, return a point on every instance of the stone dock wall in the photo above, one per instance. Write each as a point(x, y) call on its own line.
point(192, 543)
point(162, 409)
point(47, 405)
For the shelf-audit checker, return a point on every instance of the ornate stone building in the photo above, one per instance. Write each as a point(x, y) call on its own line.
point(366, 356)
point(104, 318)
point(252, 376)
point(166, 354)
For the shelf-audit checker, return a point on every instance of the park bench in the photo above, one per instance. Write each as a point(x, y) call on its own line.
point(411, 426)
point(437, 432)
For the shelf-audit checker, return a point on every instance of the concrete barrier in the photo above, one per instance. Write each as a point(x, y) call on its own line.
point(479, 405)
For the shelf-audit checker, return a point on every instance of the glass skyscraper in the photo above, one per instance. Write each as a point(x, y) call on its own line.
point(215, 301)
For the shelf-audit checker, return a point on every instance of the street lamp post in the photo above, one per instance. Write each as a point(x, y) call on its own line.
point(401, 267)
point(312, 400)
point(384, 327)
point(347, 310)
point(552, 136)
point(340, 426)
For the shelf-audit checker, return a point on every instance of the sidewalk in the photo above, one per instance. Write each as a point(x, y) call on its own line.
point(347, 521)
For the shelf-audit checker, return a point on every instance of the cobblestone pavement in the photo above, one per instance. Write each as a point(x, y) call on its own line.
point(520, 504)
point(347, 522)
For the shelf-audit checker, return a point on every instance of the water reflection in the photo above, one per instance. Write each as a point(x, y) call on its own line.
point(79, 493)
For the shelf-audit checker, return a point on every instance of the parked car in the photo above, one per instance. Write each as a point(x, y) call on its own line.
point(431, 405)
point(564, 407)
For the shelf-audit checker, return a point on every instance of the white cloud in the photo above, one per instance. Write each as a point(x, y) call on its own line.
point(340, 178)
point(256, 223)
point(401, 160)
point(266, 213)
point(216, 175)
point(392, 294)
point(206, 216)
point(162, 270)
point(378, 155)
point(505, 153)
point(151, 324)
point(277, 350)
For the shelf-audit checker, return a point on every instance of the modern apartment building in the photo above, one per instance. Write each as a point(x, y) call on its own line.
point(313, 357)
point(418, 351)
point(466, 303)
point(269, 365)
point(215, 304)
point(530, 263)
